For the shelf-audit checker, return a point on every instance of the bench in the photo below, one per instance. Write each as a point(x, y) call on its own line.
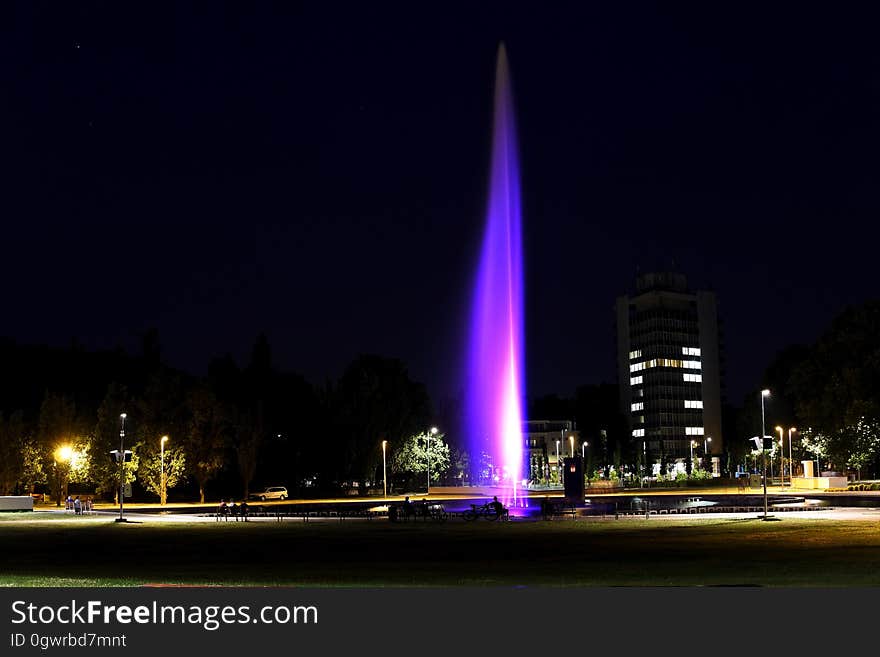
point(557, 509)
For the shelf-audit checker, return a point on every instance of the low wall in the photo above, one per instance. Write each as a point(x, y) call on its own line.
point(16, 503)
point(818, 482)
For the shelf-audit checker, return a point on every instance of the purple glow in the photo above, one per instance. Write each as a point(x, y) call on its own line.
point(496, 364)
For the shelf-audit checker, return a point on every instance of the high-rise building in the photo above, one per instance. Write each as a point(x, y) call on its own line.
point(669, 370)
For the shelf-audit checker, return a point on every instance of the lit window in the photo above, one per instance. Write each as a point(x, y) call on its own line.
point(693, 378)
point(691, 364)
point(693, 403)
point(635, 380)
point(690, 351)
point(635, 354)
point(693, 431)
point(638, 406)
point(636, 367)
point(638, 433)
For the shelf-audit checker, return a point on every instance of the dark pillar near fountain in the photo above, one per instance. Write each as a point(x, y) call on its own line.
point(573, 479)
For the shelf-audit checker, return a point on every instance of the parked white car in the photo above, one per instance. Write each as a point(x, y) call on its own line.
point(271, 493)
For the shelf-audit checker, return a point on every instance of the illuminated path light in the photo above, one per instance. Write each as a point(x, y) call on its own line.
point(496, 358)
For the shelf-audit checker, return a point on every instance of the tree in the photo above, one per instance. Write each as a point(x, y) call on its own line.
point(105, 439)
point(11, 455)
point(59, 437)
point(837, 387)
point(150, 468)
point(247, 437)
point(32, 472)
point(205, 438)
point(417, 451)
point(375, 397)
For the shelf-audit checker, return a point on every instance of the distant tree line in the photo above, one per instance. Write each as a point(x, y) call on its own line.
point(232, 429)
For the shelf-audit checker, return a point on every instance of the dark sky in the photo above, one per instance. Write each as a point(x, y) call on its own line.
point(318, 172)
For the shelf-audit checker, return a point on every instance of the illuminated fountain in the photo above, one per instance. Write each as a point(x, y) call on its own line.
point(496, 358)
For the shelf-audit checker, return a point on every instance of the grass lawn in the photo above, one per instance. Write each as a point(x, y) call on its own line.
point(53, 550)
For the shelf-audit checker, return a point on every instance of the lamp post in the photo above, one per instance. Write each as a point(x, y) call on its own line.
point(384, 471)
point(764, 393)
point(428, 456)
point(781, 456)
point(571, 441)
point(706, 442)
point(790, 460)
point(121, 466)
point(163, 497)
point(558, 471)
point(62, 457)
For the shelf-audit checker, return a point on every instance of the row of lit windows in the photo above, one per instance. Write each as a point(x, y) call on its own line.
point(665, 362)
point(690, 351)
point(693, 403)
point(635, 380)
point(693, 378)
point(693, 431)
point(638, 406)
point(635, 354)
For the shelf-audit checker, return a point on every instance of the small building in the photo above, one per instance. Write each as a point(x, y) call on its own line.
point(547, 443)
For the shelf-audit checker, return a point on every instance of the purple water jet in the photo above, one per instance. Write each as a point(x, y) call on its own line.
point(496, 362)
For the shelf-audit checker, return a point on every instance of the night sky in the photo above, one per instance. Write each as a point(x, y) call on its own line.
point(318, 171)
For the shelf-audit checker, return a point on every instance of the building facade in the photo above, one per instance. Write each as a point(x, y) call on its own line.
point(669, 370)
point(547, 443)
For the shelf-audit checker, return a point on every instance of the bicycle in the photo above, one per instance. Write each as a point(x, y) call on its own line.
point(488, 511)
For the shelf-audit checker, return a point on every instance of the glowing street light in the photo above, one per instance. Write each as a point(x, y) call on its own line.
point(790, 460)
point(163, 495)
point(558, 469)
point(571, 442)
point(584, 446)
point(62, 455)
point(122, 417)
point(706, 442)
point(764, 393)
point(433, 432)
point(781, 455)
point(693, 442)
point(384, 471)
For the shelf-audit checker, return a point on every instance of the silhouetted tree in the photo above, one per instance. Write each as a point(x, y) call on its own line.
point(205, 438)
point(375, 397)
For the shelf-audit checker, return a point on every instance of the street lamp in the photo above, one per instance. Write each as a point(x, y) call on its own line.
point(781, 456)
point(428, 456)
point(163, 497)
point(706, 442)
point(764, 393)
point(121, 466)
point(790, 460)
point(62, 455)
point(384, 471)
point(692, 452)
point(558, 471)
point(584, 446)
point(571, 441)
